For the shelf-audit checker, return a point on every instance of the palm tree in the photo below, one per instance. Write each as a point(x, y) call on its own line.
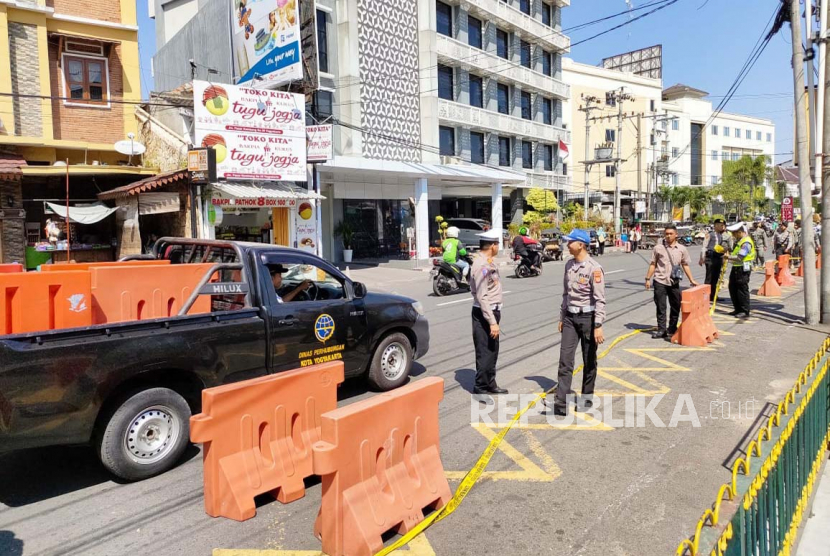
point(667, 195)
point(751, 172)
point(698, 199)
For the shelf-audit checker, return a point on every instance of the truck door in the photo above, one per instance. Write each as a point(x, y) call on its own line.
point(312, 314)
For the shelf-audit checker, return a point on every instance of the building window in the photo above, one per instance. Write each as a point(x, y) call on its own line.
point(505, 154)
point(674, 179)
point(547, 111)
point(527, 154)
point(674, 152)
point(444, 16)
point(525, 53)
point(610, 171)
point(446, 136)
point(323, 41)
point(564, 169)
point(713, 180)
point(675, 125)
point(87, 80)
point(526, 106)
point(322, 104)
point(748, 134)
point(725, 131)
point(610, 100)
point(757, 135)
point(737, 133)
point(476, 147)
point(610, 135)
point(769, 137)
point(524, 5)
point(547, 154)
point(476, 91)
point(714, 130)
point(547, 65)
point(474, 32)
point(503, 94)
point(651, 105)
point(714, 155)
point(736, 156)
point(445, 83)
point(724, 155)
point(502, 42)
point(546, 14)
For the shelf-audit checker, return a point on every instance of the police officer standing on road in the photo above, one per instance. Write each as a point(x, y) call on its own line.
point(485, 285)
point(742, 257)
point(759, 237)
point(716, 247)
point(782, 241)
point(580, 320)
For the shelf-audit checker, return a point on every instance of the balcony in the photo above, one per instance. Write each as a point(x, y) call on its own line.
point(549, 180)
point(462, 115)
point(456, 53)
point(511, 19)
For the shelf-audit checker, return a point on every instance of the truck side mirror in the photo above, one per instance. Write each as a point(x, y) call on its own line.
point(359, 290)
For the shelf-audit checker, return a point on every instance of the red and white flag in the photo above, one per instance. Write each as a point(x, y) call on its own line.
point(563, 150)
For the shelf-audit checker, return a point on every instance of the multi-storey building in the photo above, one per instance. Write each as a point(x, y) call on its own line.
point(440, 107)
point(69, 77)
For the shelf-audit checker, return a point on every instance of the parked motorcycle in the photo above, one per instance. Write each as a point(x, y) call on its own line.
point(686, 239)
point(531, 265)
point(447, 278)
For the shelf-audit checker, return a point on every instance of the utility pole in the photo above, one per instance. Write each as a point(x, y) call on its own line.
point(619, 97)
point(823, 145)
point(589, 102)
point(811, 301)
point(811, 90)
point(639, 160)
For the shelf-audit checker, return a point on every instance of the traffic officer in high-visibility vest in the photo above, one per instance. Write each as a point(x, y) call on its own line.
point(742, 256)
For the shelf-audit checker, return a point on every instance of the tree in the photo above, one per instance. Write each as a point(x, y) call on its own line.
point(668, 195)
point(698, 199)
point(544, 205)
point(742, 179)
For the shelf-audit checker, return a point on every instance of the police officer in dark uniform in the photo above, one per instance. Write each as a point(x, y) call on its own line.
point(580, 320)
point(716, 248)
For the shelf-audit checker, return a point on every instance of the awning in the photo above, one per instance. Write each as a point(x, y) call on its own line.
point(83, 215)
point(251, 193)
point(147, 184)
point(10, 166)
point(161, 202)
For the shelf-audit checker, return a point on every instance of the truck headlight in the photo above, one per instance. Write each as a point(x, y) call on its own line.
point(418, 308)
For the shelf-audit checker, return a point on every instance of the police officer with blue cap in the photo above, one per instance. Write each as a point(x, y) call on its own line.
point(580, 320)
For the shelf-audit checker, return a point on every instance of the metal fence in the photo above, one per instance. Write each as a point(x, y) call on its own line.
point(759, 511)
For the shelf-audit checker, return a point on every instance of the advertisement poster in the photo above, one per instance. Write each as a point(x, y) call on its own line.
point(319, 143)
point(266, 41)
point(257, 134)
point(787, 212)
point(306, 226)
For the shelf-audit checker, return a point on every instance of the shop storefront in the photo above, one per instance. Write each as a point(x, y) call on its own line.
point(380, 227)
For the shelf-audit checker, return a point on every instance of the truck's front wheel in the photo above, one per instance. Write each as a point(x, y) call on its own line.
point(145, 435)
point(391, 362)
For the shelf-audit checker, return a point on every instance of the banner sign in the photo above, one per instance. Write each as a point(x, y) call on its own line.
point(256, 133)
point(319, 143)
point(252, 202)
point(266, 41)
point(201, 163)
point(787, 213)
point(306, 226)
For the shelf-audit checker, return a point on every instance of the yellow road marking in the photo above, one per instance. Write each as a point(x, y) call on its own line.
point(419, 546)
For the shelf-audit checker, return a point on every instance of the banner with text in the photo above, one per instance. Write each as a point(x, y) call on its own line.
point(306, 226)
point(319, 143)
point(266, 41)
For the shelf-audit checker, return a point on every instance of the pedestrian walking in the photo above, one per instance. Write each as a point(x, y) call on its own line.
point(716, 247)
point(669, 261)
point(742, 256)
point(782, 241)
point(581, 316)
point(635, 239)
point(487, 305)
point(601, 238)
point(759, 238)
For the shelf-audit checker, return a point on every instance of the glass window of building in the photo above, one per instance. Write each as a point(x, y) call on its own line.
point(476, 91)
point(547, 111)
point(525, 53)
point(503, 95)
point(444, 17)
point(713, 180)
point(524, 5)
point(476, 147)
point(323, 40)
point(502, 44)
point(714, 130)
point(526, 106)
point(757, 135)
point(674, 152)
point(547, 154)
point(714, 155)
point(749, 134)
point(674, 179)
point(527, 154)
point(546, 14)
point(769, 137)
point(445, 83)
point(547, 64)
point(505, 154)
point(610, 171)
point(675, 125)
point(610, 135)
point(737, 133)
point(724, 155)
point(651, 105)
point(725, 131)
point(736, 156)
point(446, 137)
point(379, 226)
point(564, 169)
point(610, 100)
point(474, 32)
point(322, 104)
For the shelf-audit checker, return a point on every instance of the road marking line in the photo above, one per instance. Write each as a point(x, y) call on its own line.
point(462, 300)
point(620, 270)
point(419, 546)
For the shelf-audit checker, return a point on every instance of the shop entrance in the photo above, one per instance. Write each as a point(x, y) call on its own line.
point(380, 227)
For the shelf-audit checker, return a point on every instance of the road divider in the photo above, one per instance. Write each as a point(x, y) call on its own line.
point(784, 278)
point(697, 327)
point(770, 287)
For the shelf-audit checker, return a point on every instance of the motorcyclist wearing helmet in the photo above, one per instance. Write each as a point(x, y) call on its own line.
point(520, 248)
point(454, 251)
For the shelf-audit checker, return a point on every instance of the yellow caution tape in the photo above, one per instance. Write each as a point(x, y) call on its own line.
point(474, 474)
point(717, 289)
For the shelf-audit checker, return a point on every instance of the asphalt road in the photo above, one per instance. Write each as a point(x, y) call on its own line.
point(579, 488)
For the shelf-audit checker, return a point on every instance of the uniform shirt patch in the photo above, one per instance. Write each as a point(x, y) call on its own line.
point(597, 276)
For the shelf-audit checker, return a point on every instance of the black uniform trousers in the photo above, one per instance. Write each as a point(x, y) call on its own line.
point(714, 265)
point(576, 329)
point(663, 292)
point(487, 350)
point(739, 288)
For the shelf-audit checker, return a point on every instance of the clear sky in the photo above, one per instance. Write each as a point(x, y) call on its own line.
point(705, 43)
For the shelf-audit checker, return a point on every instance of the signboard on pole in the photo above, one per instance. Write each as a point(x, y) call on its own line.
point(306, 226)
point(201, 163)
point(787, 213)
point(319, 143)
point(639, 207)
point(256, 133)
point(266, 41)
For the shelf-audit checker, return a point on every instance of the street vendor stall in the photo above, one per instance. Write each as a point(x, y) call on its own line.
point(89, 238)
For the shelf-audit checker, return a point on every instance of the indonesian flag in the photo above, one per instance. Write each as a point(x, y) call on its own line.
point(563, 150)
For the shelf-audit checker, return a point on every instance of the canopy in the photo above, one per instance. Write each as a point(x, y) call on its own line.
point(264, 190)
point(89, 214)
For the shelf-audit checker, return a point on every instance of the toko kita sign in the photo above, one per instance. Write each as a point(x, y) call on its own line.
point(256, 133)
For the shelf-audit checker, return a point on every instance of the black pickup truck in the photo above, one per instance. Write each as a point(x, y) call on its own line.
point(128, 389)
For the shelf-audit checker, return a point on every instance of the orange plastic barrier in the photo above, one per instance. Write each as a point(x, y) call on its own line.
point(126, 293)
point(381, 466)
point(34, 302)
point(800, 270)
point(697, 328)
point(11, 267)
point(258, 436)
point(86, 266)
point(784, 278)
point(770, 287)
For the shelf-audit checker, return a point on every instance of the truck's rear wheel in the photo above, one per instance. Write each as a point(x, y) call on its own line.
point(145, 435)
point(391, 362)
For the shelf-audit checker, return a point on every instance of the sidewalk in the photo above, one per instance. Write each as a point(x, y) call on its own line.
point(813, 540)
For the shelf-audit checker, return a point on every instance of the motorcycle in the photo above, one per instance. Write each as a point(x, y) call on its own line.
point(531, 265)
point(686, 240)
point(447, 278)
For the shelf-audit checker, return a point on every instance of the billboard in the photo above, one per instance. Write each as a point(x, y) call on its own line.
point(305, 224)
point(787, 211)
point(266, 41)
point(647, 62)
point(256, 133)
point(319, 143)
